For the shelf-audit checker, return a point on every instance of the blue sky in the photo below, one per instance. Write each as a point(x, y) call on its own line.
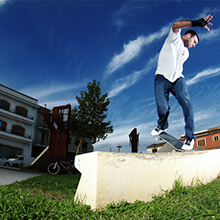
point(50, 50)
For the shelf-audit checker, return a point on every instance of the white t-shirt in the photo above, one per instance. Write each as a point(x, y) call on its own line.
point(172, 56)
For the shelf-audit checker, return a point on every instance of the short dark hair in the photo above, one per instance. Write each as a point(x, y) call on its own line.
point(193, 33)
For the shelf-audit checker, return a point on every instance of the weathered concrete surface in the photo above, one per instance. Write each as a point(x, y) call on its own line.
point(112, 177)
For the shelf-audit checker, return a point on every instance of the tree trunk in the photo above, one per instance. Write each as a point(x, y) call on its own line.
point(79, 146)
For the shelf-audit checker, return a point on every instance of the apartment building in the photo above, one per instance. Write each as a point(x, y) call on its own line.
point(17, 122)
point(23, 130)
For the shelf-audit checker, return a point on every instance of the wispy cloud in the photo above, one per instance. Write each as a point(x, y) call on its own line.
point(133, 78)
point(127, 9)
point(2, 2)
point(45, 90)
point(214, 33)
point(133, 49)
point(125, 82)
point(208, 73)
point(201, 116)
point(118, 16)
point(207, 11)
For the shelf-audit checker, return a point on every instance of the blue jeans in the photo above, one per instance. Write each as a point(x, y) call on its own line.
point(178, 89)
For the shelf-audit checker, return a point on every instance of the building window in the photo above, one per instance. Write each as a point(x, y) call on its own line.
point(69, 141)
point(84, 146)
point(3, 125)
point(201, 142)
point(18, 130)
point(154, 150)
point(216, 138)
point(42, 140)
point(77, 143)
point(21, 111)
point(4, 104)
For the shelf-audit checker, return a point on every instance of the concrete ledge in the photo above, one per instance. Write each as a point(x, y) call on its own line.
point(113, 177)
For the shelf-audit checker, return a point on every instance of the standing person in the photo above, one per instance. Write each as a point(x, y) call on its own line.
point(169, 77)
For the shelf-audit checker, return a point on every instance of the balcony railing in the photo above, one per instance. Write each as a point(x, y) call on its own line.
point(9, 131)
point(13, 111)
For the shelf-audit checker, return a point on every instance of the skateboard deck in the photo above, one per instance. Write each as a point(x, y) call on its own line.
point(172, 141)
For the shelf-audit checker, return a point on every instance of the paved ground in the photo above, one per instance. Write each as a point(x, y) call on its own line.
point(9, 175)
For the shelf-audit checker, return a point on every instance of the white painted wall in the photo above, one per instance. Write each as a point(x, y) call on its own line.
point(16, 98)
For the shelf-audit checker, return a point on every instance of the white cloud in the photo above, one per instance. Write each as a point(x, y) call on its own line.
point(208, 11)
point(209, 35)
point(129, 80)
point(126, 12)
point(201, 116)
point(130, 51)
point(133, 49)
point(54, 94)
point(203, 75)
point(125, 82)
point(2, 2)
point(118, 16)
point(45, 90)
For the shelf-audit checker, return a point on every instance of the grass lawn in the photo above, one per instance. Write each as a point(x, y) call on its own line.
point(51, 197)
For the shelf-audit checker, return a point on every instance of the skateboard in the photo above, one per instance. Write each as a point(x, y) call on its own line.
point(172, 141)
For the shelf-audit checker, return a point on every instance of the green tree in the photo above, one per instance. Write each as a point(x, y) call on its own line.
point(88, 117)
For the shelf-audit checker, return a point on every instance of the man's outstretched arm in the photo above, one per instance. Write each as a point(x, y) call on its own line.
point(203, 22)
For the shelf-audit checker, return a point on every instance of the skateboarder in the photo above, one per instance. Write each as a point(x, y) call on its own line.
point(169, 77)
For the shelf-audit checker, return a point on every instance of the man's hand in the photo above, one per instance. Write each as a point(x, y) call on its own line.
point(203, 22)
point(207, 19)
